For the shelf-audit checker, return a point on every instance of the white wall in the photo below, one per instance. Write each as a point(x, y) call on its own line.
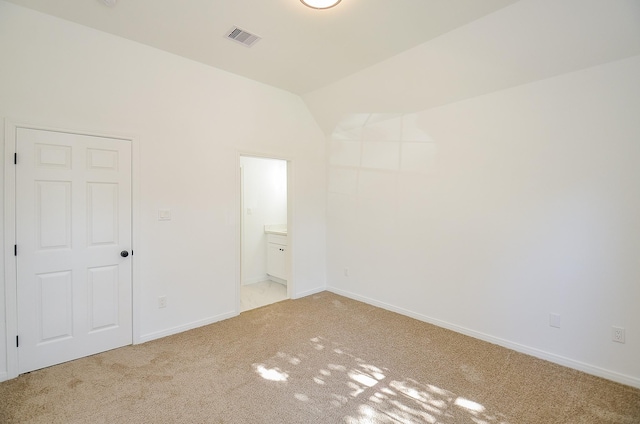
point(265, 203)
point(190, 122)
point(488, 214)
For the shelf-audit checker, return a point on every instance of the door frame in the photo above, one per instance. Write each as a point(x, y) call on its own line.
point(10, 263)
point(290, 221)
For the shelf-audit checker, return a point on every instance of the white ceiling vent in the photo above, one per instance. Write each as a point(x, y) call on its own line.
point(243, 37)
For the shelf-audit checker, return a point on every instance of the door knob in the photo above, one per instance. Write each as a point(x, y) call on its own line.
point(124, 253)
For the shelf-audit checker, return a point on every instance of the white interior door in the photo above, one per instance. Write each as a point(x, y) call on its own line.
point(73, 228)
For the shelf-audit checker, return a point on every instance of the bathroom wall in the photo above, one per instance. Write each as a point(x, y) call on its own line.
point(264, 203)
point(488, 214)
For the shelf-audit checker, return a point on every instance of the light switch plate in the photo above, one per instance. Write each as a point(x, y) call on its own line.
point(164, 214)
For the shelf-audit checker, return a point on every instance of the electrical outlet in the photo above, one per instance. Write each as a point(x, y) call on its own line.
point(617, 334)
point(162, 301)
point(554, 320)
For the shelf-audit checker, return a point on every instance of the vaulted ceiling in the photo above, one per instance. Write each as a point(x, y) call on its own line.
point(375, 56)
point(301, 50)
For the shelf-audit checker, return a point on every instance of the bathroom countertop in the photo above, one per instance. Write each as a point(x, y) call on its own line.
point(280, 230)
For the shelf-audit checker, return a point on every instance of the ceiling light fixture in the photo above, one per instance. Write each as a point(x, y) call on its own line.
point(320, 4)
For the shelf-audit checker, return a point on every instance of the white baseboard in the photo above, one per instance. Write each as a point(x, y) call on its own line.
point(547, 356)
point(277, 280)
point(4, 376)
point(254, 280)
point(309, 292)
point(190, 326)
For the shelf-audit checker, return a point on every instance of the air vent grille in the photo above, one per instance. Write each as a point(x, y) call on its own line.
point(243, 37)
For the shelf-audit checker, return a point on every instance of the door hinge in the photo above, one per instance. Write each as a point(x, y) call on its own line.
point(15, 158)
point(15, 250)
point(17, 342)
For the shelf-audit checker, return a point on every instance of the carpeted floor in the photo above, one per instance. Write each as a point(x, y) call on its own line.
point(320, 359)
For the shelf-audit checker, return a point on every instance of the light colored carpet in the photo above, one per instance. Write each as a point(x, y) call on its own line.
point(320, 359)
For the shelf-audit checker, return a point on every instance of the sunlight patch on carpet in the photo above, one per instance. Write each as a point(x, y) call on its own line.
point(271, 374)
point(469, 404)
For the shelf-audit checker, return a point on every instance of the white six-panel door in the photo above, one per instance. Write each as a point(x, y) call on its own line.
point(73, 221)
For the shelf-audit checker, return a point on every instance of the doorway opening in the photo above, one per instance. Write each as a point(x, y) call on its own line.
point(264, 236)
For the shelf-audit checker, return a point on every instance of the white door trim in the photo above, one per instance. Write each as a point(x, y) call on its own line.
point(10, 270)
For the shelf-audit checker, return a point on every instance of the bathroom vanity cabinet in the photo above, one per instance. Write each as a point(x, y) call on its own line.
point(277, 255)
